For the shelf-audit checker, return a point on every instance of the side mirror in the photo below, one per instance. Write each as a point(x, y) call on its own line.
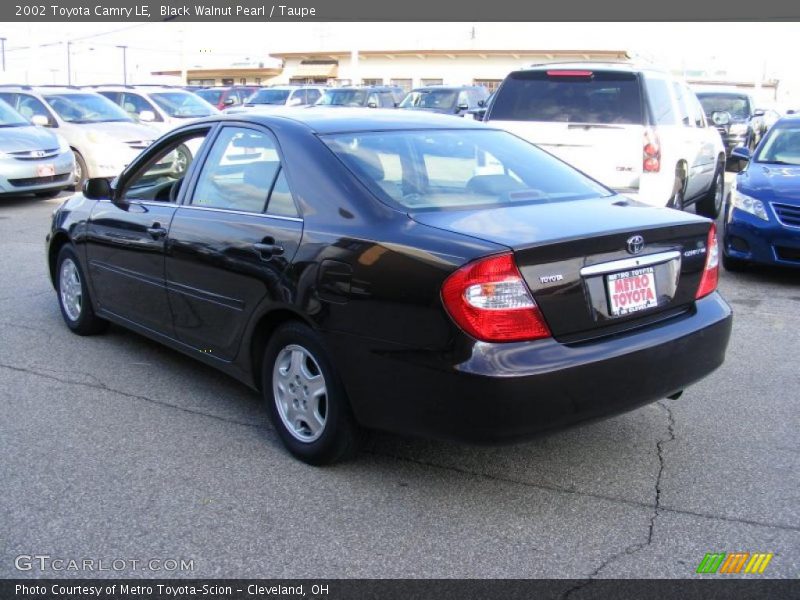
point(40, 121)
point(481, 103)
point(229, 102)
point(147, 116)
point(759, 112)
point(372, 105)
point(741, 153)
point(721, 117)
point(479, 114)
point(463, 106)
point(97, 188)
point(295, 101)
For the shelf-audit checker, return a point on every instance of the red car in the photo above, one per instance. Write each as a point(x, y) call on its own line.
point(225, 96)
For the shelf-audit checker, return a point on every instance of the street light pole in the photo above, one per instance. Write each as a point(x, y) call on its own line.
point(124, 64)
point(3, 51)
point(69, 63)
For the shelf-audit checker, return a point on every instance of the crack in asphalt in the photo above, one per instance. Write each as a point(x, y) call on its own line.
point(104, 387)
point(658, 508)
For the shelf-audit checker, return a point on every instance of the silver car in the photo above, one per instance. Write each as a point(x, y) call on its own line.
point(32, 160)
point(104, 138)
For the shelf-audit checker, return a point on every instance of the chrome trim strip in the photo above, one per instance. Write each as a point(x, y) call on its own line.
point(242, 212)
point(629, 263)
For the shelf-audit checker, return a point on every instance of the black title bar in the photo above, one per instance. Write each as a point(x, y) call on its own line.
point(400, 10)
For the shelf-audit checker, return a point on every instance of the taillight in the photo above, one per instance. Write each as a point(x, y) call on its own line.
point(651, 153)
point(489, 300)
point(708, 283)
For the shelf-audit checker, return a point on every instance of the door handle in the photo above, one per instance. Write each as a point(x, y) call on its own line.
point(156, 231)
point(266, 250)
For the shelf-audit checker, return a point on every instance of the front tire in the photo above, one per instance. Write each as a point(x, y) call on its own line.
point(305, 398)
point(73, 295)
point(711, 202)
point(80, 175)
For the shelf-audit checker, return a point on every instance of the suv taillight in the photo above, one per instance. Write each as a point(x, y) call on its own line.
point(490, 301)
point(708, 282)
point(651, 152)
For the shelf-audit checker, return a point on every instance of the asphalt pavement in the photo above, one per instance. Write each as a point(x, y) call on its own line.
point(116, 448)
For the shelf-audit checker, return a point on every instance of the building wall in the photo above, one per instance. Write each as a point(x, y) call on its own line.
point(423, 69)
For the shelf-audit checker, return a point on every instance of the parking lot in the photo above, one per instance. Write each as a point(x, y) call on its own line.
point(115, 447)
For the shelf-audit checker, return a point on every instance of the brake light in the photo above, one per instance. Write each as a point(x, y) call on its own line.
point(490, 301)
point(651, 154)
point(708, 283)
point(568, 73)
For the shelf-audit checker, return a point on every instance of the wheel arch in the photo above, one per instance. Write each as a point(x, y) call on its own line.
point(58, 241)
point(261, 333)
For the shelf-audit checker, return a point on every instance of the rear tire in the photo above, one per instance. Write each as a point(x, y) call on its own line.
point(305, 398)
point(73, 295)
point(711, 202)
point(678, 193)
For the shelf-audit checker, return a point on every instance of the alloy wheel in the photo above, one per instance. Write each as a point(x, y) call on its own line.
point(70, 289)
point(300, 393)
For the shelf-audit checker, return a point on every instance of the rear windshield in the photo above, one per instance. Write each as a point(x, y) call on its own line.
point(737, 106)
point(212, 96)
point(268, 96)
point(441, 169)
point(431, 99)
point(561, 96)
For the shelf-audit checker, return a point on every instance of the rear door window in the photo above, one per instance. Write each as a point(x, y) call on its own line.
point(569, 96)
point(661, 107)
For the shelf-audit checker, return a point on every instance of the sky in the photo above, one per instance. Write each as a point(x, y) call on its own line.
point(36, 53)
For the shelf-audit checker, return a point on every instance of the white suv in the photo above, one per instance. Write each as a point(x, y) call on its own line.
point(638, 130)
point(279, 96)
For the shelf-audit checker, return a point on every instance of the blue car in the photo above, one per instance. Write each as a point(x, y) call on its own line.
point(762, 213)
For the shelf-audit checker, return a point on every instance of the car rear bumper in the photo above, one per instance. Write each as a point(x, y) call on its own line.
point(750, 239)
point(507, 392)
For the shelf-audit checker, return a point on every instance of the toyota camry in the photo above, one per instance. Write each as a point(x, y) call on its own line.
point(391, 270)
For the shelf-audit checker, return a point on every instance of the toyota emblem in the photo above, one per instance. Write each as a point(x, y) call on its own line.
point(635, 244)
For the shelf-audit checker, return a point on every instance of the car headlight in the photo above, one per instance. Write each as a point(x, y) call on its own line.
point(738, 128)
point(748, 204)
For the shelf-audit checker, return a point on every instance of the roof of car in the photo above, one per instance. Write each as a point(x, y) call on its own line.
point(43, 89)
point(447, 87)
point(720, 91)
point(357, 119)
point(627, 67)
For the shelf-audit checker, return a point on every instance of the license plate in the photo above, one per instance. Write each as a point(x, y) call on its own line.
point(45, 170)
point(631, 291)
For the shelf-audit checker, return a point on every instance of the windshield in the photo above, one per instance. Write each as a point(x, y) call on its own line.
point(781, 146)
point(9, 117)
point(343, 98)
point(86, 108)
point(182, 105)
point(210, 96)
point(431, 99)
point(440, 169)
point(737, 106)
point(569, 96)
point(268, 97)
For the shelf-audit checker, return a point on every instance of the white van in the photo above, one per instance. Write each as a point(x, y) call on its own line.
point(638, 130)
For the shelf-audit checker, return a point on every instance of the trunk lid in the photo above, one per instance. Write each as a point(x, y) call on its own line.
point(611, 154)
point(576, 257)
point(592, 118)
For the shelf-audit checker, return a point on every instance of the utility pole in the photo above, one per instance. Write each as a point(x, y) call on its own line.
point(124, 64)
point(69, 63)
point(3, 51)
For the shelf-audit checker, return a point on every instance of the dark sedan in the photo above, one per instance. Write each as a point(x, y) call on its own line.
point(369, 269)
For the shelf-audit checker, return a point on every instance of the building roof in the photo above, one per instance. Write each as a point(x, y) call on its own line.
point(516, 54)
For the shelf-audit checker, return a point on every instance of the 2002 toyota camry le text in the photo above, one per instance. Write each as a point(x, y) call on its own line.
point(370, 269)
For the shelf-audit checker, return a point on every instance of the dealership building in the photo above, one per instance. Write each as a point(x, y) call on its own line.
point(404, 68)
